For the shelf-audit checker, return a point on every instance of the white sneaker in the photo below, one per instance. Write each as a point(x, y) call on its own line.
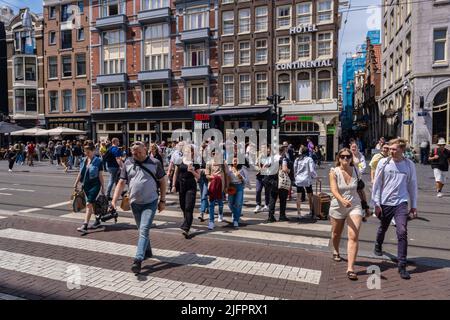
point(211, 226)
point(440, 195)
point(235, 224)
point(257, 209)
point(9, 170)
point(393, 222)
point(220, 219)
point(265, 209)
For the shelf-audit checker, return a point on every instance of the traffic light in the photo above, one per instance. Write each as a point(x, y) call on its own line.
point(274, 120)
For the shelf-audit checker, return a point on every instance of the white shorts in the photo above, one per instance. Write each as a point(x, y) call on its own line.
point(440, 176)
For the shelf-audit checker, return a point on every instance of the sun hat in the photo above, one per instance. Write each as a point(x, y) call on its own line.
point(441, 142)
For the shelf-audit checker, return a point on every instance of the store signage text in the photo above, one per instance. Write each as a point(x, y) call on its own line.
point(298, 118)
point(304, 64)
point(199, 125)
point(303, 28)
point(202, 117)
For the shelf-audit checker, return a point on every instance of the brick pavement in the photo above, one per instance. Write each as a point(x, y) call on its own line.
point(35, 268)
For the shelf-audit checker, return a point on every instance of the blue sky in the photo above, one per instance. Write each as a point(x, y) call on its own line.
point(358, 23)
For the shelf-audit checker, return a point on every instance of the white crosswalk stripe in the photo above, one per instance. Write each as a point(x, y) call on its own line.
point(117, 281)
point(241, 233)
point(2, 217)
point(4, 296)
point(170, 256)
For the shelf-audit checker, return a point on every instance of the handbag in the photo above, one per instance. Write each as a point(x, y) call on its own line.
point(361, 184)
point(284, 181)
point(125, 204)
point(78, 200)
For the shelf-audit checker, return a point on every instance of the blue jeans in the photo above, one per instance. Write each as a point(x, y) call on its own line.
point(113, 177)
point(203, 185)
point(236, 201)
point(211, 208)
point(143, 215)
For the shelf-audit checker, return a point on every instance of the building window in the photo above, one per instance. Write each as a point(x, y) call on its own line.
point(303, 86)
point(67, 100)
point(261, 88)
point(261, 51)
point(244, 21)
point(52, 67)
point(113, 98)
point(440, 45)
point(304, 15)
point(196, 18)
point(244, 89)
point(156, 95)
point(244, 53)
point(25, 100)
point(228, 89)
point(261, 20)
point(52, 38)
point(284, 49)
point(284, 86)
point(197, 94)
point(196, 55)
point(325, 11)
point(112, 7)
point(80, 34)
point(228, 54)
point(408, 53)
point(66, 62)
point(24, 69)
point(304, 46)
point(154, 4)
point(81, 6)
point(81, 64)
point(324, 85)
point(53, 101)
point(228, 23)
point(52, 13)
point(283, 17)
point(81, 99)
point(25, 42)
point(113, 52)
point(65, 14)
point(66, 39)
point(324, 44)
point(441, 115)
point(157, 45)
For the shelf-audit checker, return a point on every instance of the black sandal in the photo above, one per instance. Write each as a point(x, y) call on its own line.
point(337, 257)
point(352, 275)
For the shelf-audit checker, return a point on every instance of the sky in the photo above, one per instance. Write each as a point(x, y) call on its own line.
point(352, 34)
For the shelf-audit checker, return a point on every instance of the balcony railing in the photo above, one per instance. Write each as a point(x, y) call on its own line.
point(154, 75)
point(111, 22)
point(112, 79)
point(154, 15)
point(195, 35)
point(195, 72)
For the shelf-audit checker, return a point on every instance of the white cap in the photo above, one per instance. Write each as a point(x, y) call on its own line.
point(441, 142)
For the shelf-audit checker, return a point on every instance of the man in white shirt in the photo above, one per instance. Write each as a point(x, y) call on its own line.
point(394, 187)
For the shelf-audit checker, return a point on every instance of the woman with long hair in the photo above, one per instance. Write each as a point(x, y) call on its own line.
point(346, 207)
point(358, 158)
point(154, 153)
point(91, 178)
point(238, 179)
point(304, 173)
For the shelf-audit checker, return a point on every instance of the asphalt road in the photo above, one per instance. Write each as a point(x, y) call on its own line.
point(45, 190)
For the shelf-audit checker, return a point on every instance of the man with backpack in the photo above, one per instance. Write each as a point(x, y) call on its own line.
point(113, 161)
point(440, 158)
point(147, 185)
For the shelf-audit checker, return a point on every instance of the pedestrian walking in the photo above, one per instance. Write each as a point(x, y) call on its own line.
point(310, 146)
point(11, 155)
point(380, 144)
point(384, 152)
point(51, 151)
point(262, 163)
point(77, 152)
point(238, 179)
point(440, 159)
point(203, 185)
point(424, 151)
point(30, 149)
point(358, 158)
point(304, 173)
point(278, 184)
point(185, 178)
point(58, 152)
point(395, 186)
point(91, 178)
point(346, 207)
point(215, 173)
point(113, 163)
point(155, 153)
point(147, 185)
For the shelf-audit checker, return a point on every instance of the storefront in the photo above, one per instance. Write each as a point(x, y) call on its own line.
point(77, 123)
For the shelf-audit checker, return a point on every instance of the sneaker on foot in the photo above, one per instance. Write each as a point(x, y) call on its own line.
point(439, 195)
point(403, 273)
point(211, 226)
point(136, 267)
point(378, 250)
point(9, 170)
point(393, 222)
point(220, 219)
point(236, 224)
point(283, 218)
point(97, 224)
point(257, 209)
point(265, 209)
point(201, 217)
point(271, 219)
point(83, 228)
point(185, 233)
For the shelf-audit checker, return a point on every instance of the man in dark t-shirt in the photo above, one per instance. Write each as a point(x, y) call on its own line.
point(440, 158)
point(113, 159)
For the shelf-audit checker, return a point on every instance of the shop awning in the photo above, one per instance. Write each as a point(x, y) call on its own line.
point(240, 111)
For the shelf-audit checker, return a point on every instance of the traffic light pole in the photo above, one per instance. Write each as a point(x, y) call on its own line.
point(275, 100)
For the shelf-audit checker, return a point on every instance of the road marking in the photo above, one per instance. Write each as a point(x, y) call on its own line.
point(13, 189)
point(4, 296)
point(240, 233)
point(30, 210)
point(57, 205)
point(5, 194)
point(107, 279)
point(2, 217)
point(169, 256)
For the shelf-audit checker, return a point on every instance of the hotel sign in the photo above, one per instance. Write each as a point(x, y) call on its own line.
point(303, 28)
point(304, 64)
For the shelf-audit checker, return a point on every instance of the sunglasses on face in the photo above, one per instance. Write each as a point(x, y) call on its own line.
point(345, 156)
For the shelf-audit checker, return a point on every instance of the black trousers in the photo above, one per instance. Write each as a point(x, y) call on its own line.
point(283, 195)
point(187, 204)
point(11, 163)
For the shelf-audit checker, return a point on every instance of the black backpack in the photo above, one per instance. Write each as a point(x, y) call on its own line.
point(108, 158)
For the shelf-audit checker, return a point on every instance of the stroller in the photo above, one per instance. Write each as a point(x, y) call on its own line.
point(103, 211)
